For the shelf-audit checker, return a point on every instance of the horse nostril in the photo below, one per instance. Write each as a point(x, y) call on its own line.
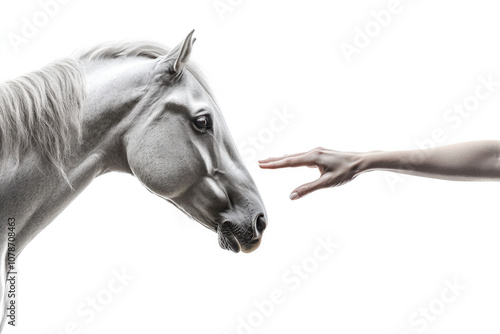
point(260, 225)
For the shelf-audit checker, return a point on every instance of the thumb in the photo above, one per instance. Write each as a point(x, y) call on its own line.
point(307, 188)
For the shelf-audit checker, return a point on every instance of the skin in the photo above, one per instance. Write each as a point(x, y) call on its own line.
point(471, 161)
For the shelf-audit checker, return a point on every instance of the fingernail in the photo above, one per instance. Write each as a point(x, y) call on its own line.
point(294, 195)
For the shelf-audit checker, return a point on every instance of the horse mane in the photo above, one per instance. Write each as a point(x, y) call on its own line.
point(42, 110)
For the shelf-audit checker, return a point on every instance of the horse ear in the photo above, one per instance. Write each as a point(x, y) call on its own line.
point(180, 54)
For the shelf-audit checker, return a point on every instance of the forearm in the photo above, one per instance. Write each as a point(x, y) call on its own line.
point(479, 160)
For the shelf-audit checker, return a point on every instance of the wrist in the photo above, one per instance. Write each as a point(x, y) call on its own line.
point(369, 161)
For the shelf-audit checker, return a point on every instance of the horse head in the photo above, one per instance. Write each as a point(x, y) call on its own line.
point(182, 151)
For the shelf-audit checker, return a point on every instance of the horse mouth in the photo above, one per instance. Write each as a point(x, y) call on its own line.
point(233, 239)
point(227, 239)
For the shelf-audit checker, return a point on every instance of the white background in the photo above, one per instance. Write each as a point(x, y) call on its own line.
point(398, 245)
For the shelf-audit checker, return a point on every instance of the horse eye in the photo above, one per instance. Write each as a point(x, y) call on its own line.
point(203, 122)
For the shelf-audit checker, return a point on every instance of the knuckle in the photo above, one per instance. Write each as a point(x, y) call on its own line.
point(316, 153)
point(303, 190)
point(314, 156)
point(312, 151)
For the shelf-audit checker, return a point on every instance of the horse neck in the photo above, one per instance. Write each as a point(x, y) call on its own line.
point(36, 193)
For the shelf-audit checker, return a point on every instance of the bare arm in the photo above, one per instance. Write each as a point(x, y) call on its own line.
point(472, 161)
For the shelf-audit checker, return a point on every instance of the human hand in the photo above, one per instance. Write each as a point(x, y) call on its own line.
point(336, 168)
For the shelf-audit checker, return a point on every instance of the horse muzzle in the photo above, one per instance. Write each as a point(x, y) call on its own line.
point(236, 238)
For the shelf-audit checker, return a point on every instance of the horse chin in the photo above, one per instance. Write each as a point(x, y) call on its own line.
point(227, 240)
point(248, 248)
point(234, 242)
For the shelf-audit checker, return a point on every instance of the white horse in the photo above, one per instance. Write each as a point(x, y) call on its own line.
point(129, 107)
